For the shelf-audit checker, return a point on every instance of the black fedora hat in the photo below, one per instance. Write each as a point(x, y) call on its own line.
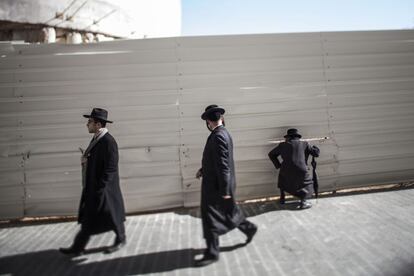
point(293, 132)
point(210, 110)
point(99, 113)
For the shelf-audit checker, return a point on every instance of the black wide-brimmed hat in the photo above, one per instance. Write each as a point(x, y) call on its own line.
point(293, 132)
point(210, 110)
point(99, 113)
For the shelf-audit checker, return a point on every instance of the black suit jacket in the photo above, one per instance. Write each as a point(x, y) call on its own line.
point(102, 207)
point(294, 172)
point(219, 215)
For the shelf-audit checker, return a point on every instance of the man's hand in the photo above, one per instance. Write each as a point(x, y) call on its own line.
point(199, 174)
point(83, 159)
point(227, 196)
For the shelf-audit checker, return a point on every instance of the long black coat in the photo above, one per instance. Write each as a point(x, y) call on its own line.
point(219, 215)
point(101, 206)
point(294, 175)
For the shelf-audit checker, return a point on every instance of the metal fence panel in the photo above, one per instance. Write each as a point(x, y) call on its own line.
point(47, 88)
point(354, 87)
point(370, 85)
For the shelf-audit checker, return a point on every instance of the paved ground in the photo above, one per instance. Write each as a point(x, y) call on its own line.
point(366, 234)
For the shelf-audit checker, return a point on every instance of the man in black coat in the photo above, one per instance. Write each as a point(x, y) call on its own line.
point(294, 176)
point(219, 211)
point(101, 206)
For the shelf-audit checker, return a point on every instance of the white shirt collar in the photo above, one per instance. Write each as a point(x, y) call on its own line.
point(101, 132)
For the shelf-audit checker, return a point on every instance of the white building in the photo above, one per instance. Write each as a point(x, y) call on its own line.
point(76, 21)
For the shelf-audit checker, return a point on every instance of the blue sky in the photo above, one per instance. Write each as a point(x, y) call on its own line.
point(216, 17)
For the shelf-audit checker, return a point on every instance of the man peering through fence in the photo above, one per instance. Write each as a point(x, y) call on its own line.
point(294, 176)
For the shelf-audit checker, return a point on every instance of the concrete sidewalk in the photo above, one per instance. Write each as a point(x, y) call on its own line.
point(366, 234)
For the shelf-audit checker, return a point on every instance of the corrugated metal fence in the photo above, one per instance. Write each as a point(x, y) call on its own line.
point(357, 88)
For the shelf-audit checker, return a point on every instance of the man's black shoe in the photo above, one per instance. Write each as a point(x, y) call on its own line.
point(251, 234)
point(115, 247)
point(206, 260)
point(71, 251)
point(304, 204)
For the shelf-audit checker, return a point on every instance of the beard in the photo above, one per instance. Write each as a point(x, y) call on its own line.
point(208, 127)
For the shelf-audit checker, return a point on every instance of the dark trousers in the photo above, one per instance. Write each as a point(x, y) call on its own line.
point(84, 234)
point(302, 194)
point(212, 239)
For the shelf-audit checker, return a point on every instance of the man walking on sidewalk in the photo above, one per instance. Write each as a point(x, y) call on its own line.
point(101, 206)
point(219, 211)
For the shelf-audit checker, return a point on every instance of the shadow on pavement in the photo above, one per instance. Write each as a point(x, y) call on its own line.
point(52, 262)
point(252, 209)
